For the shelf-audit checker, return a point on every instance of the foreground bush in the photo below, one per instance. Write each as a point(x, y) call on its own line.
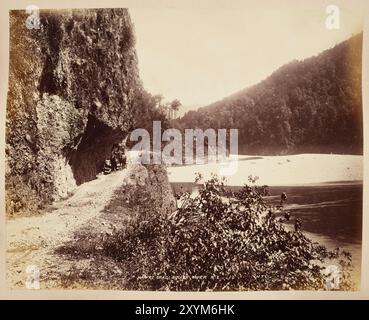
point(221, 241)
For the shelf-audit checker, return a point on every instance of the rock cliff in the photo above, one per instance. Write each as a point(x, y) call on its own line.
point(71, 88)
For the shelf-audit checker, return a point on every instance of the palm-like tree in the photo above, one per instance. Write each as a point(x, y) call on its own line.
point(174, 107)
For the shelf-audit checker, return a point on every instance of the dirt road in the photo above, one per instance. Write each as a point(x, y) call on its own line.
point(33, 240)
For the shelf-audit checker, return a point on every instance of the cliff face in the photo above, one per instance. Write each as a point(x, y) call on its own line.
point(71, 89)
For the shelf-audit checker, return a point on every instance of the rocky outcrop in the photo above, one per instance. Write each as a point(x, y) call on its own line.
point(154, 179)
point(71, 88)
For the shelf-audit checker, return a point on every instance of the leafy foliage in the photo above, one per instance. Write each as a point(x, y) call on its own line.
point(221, 241)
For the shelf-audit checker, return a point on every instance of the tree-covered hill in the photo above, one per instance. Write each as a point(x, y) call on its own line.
point(314, 105)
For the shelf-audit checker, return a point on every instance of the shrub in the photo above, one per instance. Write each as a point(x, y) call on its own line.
point(20, 198)
point(218, 242)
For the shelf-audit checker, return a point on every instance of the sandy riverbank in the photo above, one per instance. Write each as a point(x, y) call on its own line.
point(280, 170)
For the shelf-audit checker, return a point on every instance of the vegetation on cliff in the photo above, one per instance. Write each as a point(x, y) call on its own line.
point(74, 91)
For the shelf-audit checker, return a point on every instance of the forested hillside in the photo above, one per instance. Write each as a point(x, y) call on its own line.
point(314, 105)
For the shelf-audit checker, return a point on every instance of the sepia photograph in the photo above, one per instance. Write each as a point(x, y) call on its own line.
point(185, 149)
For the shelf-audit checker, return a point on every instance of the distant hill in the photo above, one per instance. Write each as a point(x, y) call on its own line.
point(314, 105)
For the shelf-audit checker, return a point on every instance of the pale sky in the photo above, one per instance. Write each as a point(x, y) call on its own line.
point(205, 54)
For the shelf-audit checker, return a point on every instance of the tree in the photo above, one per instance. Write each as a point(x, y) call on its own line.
point(174, 107)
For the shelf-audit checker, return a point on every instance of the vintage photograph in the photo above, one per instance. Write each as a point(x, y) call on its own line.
point(185, 149)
